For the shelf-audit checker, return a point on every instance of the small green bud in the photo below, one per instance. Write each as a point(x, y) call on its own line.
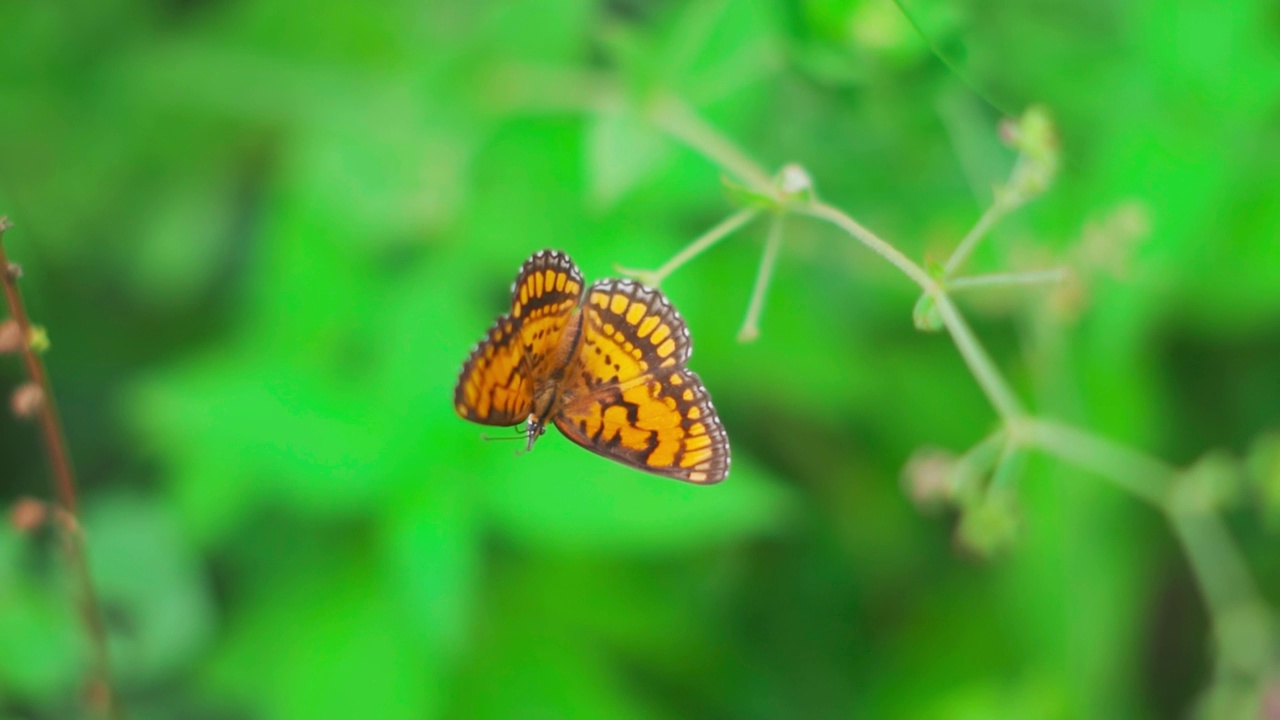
point(39, 339)
point(1036, 139)
point(925, 315)
point(990, 526)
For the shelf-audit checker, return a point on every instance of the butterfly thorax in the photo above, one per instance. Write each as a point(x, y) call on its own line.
point(549, 394)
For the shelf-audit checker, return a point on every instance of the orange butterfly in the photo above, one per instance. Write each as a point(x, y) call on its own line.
point(607, 367)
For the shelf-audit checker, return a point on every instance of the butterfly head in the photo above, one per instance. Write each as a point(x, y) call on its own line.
point(534, 427)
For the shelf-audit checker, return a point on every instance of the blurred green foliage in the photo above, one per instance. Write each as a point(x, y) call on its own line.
point(263, 236)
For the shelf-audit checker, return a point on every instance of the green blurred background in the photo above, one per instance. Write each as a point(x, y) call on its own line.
point(263, 236)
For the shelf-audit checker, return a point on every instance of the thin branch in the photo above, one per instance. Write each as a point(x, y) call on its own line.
point(102, 698)
point(895, 257)
point(722, 229)
point(1216, 563)
point(674, 117)
point(1132, 471)
point(989, 218)
point(973, 465)
point(980, 363)
point(1035, 277)
point(1008, 469)
point(751, 325)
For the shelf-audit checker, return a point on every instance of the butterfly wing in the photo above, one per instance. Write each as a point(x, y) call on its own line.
point(498, 379)
point(628, 395)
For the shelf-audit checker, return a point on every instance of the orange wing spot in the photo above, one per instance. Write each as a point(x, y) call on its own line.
point(648, 325)
point(676, 380)
point(600, 299)
point(697, 443)
point(666, 348)
point(697, 457)
point(635, 313)
point(694, 413)
point(608, 330)
point(664, 455)
point(697, 429)
point(560, 281)
point(618, 304)
point(660, 334)
point(537, 284)
point(524, 293)
point(697, 477)
point(688, 395)
point(572, 287)
point(630, 436)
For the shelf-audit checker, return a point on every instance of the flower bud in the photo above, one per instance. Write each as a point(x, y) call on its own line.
point(28, 514)
point(794, 181)
point(989, 527)
point(927, 478)
point(27, 401)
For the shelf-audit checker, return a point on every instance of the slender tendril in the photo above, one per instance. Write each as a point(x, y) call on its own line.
point(654, 278)
point(100, 695)
point(751, 325)
point(1035, 277)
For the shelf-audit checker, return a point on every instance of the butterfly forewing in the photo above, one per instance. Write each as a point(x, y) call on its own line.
point(628, 395)
point(498, 379)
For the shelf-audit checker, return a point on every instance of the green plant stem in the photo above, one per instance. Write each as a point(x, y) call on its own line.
point(975, 463)
point(751, 324)
point(1036, 277)
point(1215, 562)
point(1008, 469)
point(672, 116)
point(1132, 471)
point(980, 363)
point(895, 257)
point(62, 477)
point(697, 247)
point(988, 219)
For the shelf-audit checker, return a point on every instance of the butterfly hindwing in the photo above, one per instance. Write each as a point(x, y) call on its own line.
point(497, 381)
point(635, 401)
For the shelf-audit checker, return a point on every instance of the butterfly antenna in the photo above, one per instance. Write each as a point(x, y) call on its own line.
point(488, 437)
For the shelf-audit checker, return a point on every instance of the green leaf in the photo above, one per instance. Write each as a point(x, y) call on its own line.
point(40, 642)
point(148, 575)
point(318, 638)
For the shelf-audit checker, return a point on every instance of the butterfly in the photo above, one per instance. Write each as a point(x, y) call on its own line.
point(606, 366)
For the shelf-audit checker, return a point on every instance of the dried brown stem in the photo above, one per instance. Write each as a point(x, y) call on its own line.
point(101, 698)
